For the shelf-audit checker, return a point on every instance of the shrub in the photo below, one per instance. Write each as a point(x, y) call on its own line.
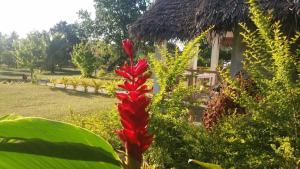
point(268, 135)
point(97, 84)
point(85, 84)
point(53, 81)
point(111, 87)
point(84, 58)
point(176, 140)
point(75, 82)
point(102, 123)
point(101, 73)
point(65, 81)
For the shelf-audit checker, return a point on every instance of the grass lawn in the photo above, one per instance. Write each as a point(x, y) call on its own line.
point(16, 74)
point(41, 101)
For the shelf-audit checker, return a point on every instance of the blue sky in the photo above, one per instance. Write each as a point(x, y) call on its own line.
point(24, 16)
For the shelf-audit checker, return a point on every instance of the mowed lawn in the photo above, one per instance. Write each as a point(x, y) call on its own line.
point(42, 101)
point(16, 74)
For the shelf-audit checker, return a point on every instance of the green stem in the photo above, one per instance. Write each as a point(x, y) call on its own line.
point(132, 163)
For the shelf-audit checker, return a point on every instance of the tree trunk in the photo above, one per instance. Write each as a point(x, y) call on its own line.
point(31, 75)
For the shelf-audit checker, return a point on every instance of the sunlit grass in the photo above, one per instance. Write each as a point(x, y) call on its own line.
point(32, 100)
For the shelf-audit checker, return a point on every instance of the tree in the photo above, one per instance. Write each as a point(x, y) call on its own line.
point(57, 52)
point(31, 51)
point(111, 22)
point(7, 55)
point(63, 37)
point(83, 57)
point(103, 51)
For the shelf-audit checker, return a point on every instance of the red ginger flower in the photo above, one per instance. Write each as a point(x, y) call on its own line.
point(133, 106)
point(128, 47)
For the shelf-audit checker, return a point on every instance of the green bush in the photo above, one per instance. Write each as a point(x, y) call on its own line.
point(53, 81)
point(64, 81)
point(84, 82)
point(176, 139)
point(111, 87)
point(74, 81)
point(267, 136)
point(102, 123)
point(97, 84)
point(83, 57)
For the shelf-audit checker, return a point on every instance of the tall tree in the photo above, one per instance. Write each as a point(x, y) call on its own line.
point(114, 16)
point(7, 55)
point(112, 20)
point(67, 35)
point(57, 52)
point(31, 51)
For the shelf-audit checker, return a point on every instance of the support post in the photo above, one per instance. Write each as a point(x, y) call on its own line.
point(237, 52)
point(215, 52)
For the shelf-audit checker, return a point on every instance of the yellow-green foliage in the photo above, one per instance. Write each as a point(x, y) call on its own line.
point(111, 87)
point(53, 81)
point(85, 83)
point(97, 84)
point(75, 82)
point(269, 135)
point(169, 67)
point(64, 81)
point(102, 123)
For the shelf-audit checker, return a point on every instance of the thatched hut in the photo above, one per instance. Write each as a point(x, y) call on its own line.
point(167, 19)
point(185, 19)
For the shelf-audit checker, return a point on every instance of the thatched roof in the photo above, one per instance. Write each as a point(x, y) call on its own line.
point(184, 19)
point(225, 14)
point(167, 19)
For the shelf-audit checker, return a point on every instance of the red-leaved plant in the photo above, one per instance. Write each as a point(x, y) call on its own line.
point(133, 108)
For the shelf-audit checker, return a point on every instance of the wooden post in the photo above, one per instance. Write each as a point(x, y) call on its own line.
point(215, 52)
point(193, 67)
point(237, 52)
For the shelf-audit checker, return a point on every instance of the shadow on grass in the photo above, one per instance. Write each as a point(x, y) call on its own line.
point(12, 74)
point(73, 92)
point(63, 150)
point(66, 72)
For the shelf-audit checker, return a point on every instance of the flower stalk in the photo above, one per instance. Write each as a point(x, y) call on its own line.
point(133, 108)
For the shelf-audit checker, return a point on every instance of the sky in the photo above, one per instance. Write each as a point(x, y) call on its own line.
point(24, 16)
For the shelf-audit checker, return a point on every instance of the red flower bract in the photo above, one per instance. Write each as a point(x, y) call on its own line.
point(128, 47)
point(133, 106)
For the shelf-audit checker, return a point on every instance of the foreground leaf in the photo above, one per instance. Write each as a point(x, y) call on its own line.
point(36, 143)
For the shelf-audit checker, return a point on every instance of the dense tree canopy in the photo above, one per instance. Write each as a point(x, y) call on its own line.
point(31, 51)
point(111, 23)
point(7, 55)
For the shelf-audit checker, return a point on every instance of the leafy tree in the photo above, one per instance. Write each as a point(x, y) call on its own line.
point(114, 17)
point(70, 32)
point(86, 25)
point(7, 55)
point(31, 51)
point(103, 51)
point(111, 23)
point(57, 52)
point(64, 37)
point(83, 57)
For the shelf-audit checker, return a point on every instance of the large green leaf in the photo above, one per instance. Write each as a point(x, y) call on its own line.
point(36, 143)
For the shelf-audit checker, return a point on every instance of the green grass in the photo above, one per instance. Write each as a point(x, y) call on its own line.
point(41, 101)
point(16, 74)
